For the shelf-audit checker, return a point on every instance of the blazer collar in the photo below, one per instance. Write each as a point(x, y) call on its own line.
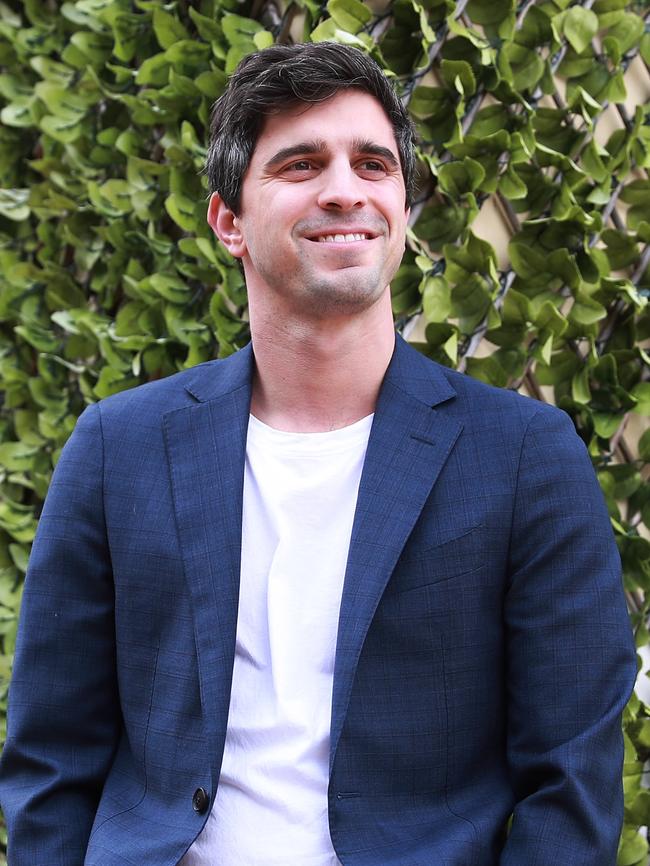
point(214, 379)
point(408, 370)
point(417, 376)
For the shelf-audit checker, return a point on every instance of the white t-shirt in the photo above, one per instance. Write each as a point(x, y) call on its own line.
point(300, 493)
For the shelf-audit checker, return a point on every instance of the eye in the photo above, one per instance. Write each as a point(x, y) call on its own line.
point(372, 168)
point(300, 165)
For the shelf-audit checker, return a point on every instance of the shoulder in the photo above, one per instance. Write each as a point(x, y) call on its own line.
point(135, 416)
point(202, 383)
point(476, 404)
point(478, 398)
point(156, 397)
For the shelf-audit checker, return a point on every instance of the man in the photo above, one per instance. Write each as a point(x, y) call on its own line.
point(323, 601)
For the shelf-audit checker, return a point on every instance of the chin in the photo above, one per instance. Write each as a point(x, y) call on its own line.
point(342, 296)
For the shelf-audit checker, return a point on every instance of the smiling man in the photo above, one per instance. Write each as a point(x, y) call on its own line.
point(323, 602)
point(322, 219)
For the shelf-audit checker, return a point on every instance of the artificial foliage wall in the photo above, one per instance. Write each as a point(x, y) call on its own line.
point(109, 275)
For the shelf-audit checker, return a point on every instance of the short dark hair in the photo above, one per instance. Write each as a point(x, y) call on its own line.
point(281, 76)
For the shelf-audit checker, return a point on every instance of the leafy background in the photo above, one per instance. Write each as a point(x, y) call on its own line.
point(528, 260)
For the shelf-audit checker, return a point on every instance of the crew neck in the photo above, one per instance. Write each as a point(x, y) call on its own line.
point(324, 440)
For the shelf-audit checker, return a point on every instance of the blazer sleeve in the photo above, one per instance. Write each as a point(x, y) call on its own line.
point(570, 657)
point(63, 717)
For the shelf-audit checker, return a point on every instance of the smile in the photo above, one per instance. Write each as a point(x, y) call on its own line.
point(343, 239)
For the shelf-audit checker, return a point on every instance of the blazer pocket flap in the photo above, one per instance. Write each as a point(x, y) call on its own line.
point(451, 557)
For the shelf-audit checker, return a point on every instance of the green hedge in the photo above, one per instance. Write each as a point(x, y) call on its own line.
point(111, 277)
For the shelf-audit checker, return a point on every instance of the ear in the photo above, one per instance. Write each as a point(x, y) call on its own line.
point(226, 226)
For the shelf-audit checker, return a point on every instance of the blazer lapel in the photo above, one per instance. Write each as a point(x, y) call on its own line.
point(408, 446)
point(206, 446)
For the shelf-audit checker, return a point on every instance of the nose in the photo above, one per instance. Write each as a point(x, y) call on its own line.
point(341, 189)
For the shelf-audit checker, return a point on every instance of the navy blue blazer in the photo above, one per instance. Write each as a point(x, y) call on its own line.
point(483, 659)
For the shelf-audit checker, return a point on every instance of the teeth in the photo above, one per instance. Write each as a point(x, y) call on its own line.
point(342, 239)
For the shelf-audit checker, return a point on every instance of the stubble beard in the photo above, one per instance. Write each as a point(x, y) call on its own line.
point(308, 290)
point(345, 292)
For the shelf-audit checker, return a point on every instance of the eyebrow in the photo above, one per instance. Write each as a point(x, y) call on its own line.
point(300, 149)
point(365, 145)
point(359, 145)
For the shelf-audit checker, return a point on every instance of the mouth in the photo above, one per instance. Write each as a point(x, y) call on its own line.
point(342, 238)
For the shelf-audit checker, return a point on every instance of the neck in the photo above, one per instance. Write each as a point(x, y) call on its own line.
point(321, 374)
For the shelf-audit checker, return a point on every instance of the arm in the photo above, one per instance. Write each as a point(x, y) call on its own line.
point(63, 719)
point(571, 663)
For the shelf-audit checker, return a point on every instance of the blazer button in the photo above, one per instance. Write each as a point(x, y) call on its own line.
point(200, 800)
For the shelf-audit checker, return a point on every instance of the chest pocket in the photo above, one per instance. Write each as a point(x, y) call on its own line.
point(458, 554)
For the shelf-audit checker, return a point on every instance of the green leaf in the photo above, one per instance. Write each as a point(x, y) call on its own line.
point(18, 114)
point(644, 446)
point(14, 204)
point(350, 15)
point(113, 197)
point(549, 318)
point(170, 287)
point(404, 288)
point(511, 185)
point(168, 28)
point(95, 47)
point(182, 210)
point(487, 370)
point(154, 71)
point(428, 33)
point(436, 299)
point(627, 31)
point(60, 129)
point(626, 480)
point(441, 224)
point(516, 308)
point(563, 264)
point(128, 29)
point(606, 423)
point(212, 83)
point(637, 192)
point(188, 56)
point(474, 257)
point(458, 75)
point(580, 390)
point(489, 120)
point(20, 556)
point(489, 11)
point(17, 456)
point(579, 27)
point(641, 393)
point(523, 66)
point(616, 90)
point(264, 39)
point(60, 101)
point(621, 249)
point(644, 48)
point(564, 365)
point(17, 520)
point(526, 261)
point(592, 161)
point(429, 102)
point(460, 178)
point(239, 30)
point(633, 849)
point(208, 28)
point(586, 311)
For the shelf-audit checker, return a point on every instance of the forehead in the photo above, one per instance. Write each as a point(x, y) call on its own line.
point(347, 117)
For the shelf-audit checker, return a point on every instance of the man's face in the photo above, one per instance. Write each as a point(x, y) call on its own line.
point(322, 224)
